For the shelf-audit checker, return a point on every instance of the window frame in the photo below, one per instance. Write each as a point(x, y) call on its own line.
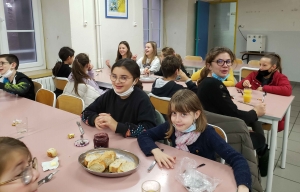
point(39, 37)
point(150, 24)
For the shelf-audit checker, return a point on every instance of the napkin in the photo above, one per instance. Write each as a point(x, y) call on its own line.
point(50, 165)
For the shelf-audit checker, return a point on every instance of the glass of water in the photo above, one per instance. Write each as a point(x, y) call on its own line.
point(21, 124)
point(151, 186)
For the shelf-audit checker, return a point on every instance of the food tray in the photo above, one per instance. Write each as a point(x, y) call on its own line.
point(120, 154)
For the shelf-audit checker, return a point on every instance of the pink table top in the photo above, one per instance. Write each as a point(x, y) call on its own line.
point(103, 79)
point(72, 177)
point(273, 111)
point(38, 115)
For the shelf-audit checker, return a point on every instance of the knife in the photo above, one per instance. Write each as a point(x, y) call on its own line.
point(246, 103)
point(47, 178)
point(153, 164)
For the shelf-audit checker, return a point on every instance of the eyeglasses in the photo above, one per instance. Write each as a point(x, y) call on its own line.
point(221, 62)
point(122, 78)
point(26, 175)
point(2, 63)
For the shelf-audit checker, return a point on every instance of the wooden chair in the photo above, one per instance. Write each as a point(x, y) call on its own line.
point(37, 86)
point(245, 71)
point(254, 63)
point(222, 134)
point(161, 104)
point(60, 82)
point(193, 58)
point(238, 61)
point(70, 103)
point(46, 97)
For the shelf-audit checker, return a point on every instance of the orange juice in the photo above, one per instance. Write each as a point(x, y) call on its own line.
point(247, 97)
point(247, 91)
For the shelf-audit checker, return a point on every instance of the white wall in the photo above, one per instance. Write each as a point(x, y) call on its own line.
point(57, 30)
point(279, 21)
point(63, 26)
point(180, 25)
point(115, 30)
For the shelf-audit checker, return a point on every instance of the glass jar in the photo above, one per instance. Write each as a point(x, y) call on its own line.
point(101, 140)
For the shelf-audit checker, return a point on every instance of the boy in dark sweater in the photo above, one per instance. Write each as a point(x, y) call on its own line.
point(13, 81)
point(166, 86)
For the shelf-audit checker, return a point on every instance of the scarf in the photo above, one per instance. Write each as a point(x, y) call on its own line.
point(184, 139)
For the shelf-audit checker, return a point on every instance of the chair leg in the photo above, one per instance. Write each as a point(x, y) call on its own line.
point(269, 138)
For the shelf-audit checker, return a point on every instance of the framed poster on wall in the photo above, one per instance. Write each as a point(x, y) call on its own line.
point(116, 9)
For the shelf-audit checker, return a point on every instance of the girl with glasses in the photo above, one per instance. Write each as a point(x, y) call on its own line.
point(125, 109)
point(215, 98)
point(18, 170)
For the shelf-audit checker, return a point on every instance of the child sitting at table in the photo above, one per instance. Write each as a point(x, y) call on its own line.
point(149, 62)
point(18, 170)
point(268, 78)
point(125, 109)
point(82, 74)
point(166, 51)
point(12, 80)
point(229, 80)
point(122, 53)
point(166, 86)
point(188, 130)
point(62, 67)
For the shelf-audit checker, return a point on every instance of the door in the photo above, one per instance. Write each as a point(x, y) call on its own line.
point(202, 21)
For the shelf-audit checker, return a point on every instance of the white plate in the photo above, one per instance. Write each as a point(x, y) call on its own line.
point(148, 79)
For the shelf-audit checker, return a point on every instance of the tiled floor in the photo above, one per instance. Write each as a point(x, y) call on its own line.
point(288, 179)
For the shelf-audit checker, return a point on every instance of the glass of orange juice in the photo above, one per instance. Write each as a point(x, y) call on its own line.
point(247, 95)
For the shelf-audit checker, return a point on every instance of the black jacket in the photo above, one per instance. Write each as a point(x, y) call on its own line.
point(172, 87)
point(21, 85)
point(215, 98)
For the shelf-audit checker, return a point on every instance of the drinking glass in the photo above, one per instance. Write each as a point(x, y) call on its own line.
point(151, 186)
point(21, 124)
point(247, 95)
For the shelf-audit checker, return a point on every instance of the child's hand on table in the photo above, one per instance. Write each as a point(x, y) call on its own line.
point(163, 159)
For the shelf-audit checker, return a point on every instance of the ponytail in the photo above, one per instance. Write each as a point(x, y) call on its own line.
point(139, 84)
point(204, 72)
point(275, 60)
point(56, 68)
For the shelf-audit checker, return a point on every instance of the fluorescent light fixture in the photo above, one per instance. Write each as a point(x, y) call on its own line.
point(8, 5)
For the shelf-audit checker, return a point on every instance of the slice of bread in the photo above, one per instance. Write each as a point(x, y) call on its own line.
point(108, 157)
point(114, 166)
point(127, 166)
point(97, 165)
point(90, 157)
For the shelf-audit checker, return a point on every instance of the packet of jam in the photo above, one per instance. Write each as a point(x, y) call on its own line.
point(101, 140)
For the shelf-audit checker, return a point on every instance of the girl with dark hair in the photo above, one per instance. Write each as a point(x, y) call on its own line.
point(62, 67)
point(82, 72)
point(215, 98)
point(149, 62)
point(188, 130)
point(268, 78)
point(18, 170)
point(122, 53)
point(125, 109)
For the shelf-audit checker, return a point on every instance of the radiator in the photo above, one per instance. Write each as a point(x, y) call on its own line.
point(47, 83)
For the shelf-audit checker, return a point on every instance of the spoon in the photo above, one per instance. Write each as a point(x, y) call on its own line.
point(264, 96)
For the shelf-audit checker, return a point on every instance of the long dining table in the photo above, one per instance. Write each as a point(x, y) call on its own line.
point(51, 128)
point(277, 107)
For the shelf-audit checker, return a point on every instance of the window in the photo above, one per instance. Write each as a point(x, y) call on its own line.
point(21, 32)
point(152, 20)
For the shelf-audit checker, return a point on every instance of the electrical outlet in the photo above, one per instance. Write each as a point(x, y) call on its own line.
point(134, 24)
point(85, 23)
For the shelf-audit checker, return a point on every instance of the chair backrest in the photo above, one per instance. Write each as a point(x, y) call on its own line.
point(254, 63)
point(238, 61)
point(222, 134)
point(159, 119)
point(193, 58)
point(37, 86)
point(161, 104)
point(60, 82)
point(245, 71)
point(46, 97)
point(70, 103)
